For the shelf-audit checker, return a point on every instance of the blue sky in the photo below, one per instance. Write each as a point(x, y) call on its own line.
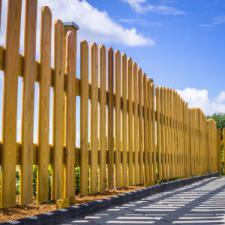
point(179, 43)
point(189, 48)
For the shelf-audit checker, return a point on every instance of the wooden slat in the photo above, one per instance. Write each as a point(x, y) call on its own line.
point(130, 122)
point(125, 122)
point(44, 104)
point(136, 140)
point(153, 144)
point(146, 146)
point(28, 102)
point(173, 134)
point(103, 142)
point(141, 131)
point(8, 193)
point(158, 124)
point(70, 115)
point(176, 131)
point(84, 67)
point(58, 119)
point(168, 134)
point(166, 147)
point(150, 131)
point(163, 132)
point(170, 137)
point(110, 119)
point(118, 119)
point(94, 119)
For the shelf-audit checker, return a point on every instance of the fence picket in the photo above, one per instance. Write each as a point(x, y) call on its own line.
point(141, 137)
point(70, 114)
point(44, 105)
point(125, 121)
point(84, 70)
point(118, 118)
point(8, 193)
point(136, 152)
point(146, 147)
point(103, 143)
point(130, 122)
point(111, 118)
point(28, 102)
point(94, 119)
point(150, 131)
point(58, 120)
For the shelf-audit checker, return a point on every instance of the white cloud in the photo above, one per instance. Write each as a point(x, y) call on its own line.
point(140, 22)
point(216, 21)
point(141, 6)
point(199, 98)
point(95, 25)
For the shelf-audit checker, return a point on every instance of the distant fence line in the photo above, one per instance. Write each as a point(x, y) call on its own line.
point(139, 133)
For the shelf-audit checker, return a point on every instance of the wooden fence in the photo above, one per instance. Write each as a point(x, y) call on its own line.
point(138, 133)
point(221, 149)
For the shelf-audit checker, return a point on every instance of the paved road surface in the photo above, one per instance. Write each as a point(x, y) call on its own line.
point(200, 203)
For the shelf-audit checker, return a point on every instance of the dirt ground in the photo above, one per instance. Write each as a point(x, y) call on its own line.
point(19, 212)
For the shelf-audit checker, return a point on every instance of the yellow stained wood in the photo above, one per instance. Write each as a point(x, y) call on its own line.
point(169, 137)
point(163, 131)
point(172, 132)
point(146, 146)
point(103, 143)
point(44, 104)
point(118, 119)
point(153, 143)
point(166, 133)
point(125, 122)
point(173, 135)
point(136, 152)
point(130, 122)
point(159, 139)
point(111, 118)
point(166, 147)
point(94, 119)
point(150, 131)
point(8, 192)
point(28, 102)
point(179, 139)
point(70, 114)
point(58, 115)
point(84, 67)
point(141, 131)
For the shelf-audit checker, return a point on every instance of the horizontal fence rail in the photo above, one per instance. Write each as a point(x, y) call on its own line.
point(131, 131)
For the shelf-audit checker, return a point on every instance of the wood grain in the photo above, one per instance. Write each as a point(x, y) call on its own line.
point(28, 102)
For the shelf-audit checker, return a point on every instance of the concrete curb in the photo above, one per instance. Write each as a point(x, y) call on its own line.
point(54, 217)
